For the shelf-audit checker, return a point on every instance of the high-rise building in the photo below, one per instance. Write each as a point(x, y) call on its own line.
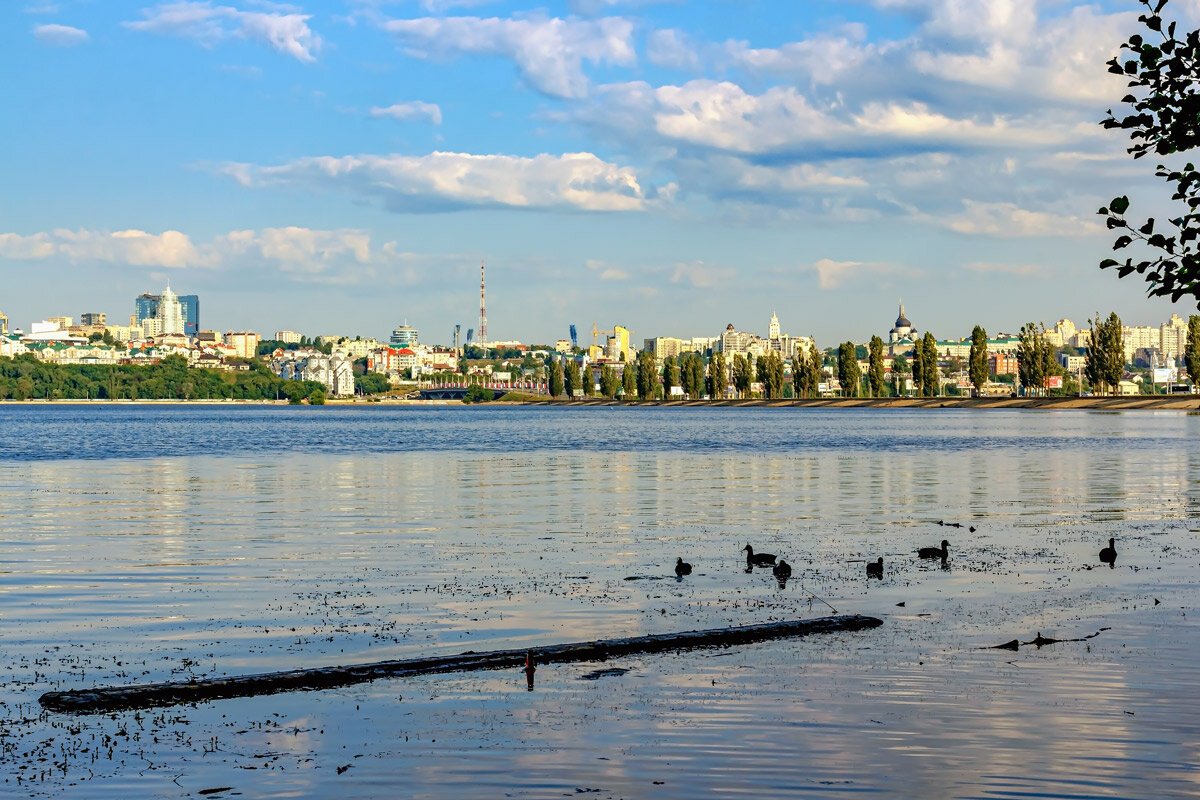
point(145, 306)
point(288, 337)
point(773, 327)
point(1173, 335)
point(404, 336)
point(189, 305)
point(94, 318)
point(170, 313)
point(3, 323)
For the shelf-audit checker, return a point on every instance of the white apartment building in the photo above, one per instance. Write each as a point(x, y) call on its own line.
point(336, 372)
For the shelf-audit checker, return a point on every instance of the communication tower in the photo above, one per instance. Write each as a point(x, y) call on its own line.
point(483, 335)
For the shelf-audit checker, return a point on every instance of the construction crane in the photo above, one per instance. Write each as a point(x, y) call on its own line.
point(611, 334)
point(574, 338)
point(596, 333)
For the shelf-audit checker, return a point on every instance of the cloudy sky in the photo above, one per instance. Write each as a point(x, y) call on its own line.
point(343, 167)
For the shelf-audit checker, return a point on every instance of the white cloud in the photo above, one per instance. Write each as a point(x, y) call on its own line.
point(302, 252)
point(441, 181)
point(410, 111)
point(701, 275)
point(833, 274)
point(914, 122)
point(971, 19)
point(549, 52)
point(132, 247)
point(296, 249)
point(1061, 58)
point(1008, 219)
point(723, 116)
point(440, 6)
point(26, 248)
point(822, 58)
point(206, 24)
point(607, 273)
point(61, 35)
point(790, 178)
point(600, 6)
point(830, 273)
point(672, 48)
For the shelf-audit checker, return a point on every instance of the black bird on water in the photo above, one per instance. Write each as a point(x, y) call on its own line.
point(682, 568)
point(935, 552)
point(754, 559)
point(782, 571)
point(1109, 554)
point(875, 568)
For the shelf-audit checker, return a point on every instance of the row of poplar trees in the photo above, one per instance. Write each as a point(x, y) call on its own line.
point(643, 377)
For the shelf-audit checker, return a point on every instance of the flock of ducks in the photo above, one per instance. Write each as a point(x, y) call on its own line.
point(783, 570)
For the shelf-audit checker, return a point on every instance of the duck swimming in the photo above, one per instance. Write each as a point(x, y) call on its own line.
point(935, 552)
point(782, 571)
point(754, 559)
point(1109, 554)
point(682, 568)
point(875, 568)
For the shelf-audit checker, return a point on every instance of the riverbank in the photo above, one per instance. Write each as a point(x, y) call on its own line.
point(1135, 403)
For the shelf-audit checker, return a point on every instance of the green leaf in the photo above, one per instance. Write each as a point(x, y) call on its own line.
point(1108, 262)
point(1148, 228)
point(1119, 205)
point(1121, 242)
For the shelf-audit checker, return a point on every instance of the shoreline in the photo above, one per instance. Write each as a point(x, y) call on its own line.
point(1132, 403)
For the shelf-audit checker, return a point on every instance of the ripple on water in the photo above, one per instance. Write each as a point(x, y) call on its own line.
point(166, 544)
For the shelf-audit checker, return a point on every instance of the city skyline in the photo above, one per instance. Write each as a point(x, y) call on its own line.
point(668, 167)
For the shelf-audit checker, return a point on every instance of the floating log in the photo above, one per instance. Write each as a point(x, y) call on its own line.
point(116, 698)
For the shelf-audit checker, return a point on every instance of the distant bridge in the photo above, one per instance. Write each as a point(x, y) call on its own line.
point(455, 393)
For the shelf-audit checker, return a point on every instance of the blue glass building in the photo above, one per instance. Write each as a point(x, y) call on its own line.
point(190, 304)
point(146, 306)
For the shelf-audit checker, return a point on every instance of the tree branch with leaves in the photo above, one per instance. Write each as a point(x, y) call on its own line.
point(1164, 78)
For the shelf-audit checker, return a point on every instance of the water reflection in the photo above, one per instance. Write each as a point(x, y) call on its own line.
point(256, 558)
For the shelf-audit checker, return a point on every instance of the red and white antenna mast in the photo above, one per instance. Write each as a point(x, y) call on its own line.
point(483, 337)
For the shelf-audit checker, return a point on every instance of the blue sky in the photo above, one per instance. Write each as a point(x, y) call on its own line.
point(669, 166)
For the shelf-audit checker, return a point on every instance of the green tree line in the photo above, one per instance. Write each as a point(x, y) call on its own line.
point(25, 377)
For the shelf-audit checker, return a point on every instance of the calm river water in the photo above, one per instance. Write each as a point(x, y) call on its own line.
point(145, 543)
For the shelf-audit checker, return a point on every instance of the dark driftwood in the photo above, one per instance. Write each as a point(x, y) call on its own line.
point(114, 698)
